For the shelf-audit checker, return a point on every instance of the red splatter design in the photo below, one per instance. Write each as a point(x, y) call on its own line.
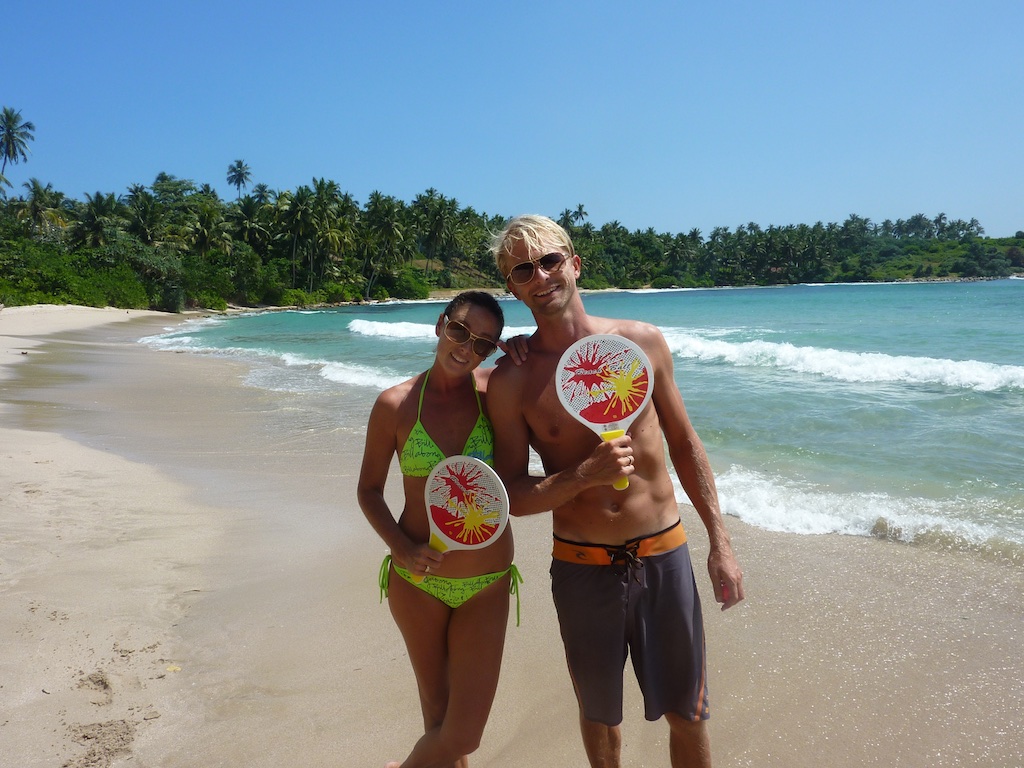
point(469, 511)
point(605, 387)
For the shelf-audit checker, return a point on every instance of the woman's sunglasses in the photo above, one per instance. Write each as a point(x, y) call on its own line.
point(460, 334)
point(523, 272)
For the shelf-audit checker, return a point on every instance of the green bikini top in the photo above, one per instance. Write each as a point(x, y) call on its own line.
point(420, 453)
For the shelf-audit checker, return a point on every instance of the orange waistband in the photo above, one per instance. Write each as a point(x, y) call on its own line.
point(607, 554)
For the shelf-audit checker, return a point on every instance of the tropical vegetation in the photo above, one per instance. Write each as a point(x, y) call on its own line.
point(175, 244)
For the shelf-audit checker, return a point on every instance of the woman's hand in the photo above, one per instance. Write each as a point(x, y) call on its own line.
point(421, 560)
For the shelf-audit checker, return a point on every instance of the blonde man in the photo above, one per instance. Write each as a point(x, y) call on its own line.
point(621, 575)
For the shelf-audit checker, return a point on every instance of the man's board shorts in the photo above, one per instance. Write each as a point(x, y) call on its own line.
point(639, 599)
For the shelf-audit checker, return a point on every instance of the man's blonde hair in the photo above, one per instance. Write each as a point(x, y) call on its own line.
point(537, 232)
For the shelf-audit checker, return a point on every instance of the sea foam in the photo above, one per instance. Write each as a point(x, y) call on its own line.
point(399, 330)
point(352, 374)
point(407, 330)
point(869, 367)
point(788, 506)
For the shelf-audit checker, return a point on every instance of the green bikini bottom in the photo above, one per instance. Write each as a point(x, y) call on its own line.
point(452, 592)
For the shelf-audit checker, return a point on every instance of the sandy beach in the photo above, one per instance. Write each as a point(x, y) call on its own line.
point(186, 581)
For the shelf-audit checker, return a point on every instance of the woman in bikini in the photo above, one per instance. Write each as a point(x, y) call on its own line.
point(453, 621)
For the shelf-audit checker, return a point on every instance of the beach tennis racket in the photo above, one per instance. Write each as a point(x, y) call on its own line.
point(467, 505)
point(604, 381)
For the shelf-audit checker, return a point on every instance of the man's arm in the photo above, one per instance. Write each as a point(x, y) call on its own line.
point(529, 495)
point(694, 470)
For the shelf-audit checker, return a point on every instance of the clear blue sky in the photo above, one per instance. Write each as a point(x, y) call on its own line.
point(661, 113)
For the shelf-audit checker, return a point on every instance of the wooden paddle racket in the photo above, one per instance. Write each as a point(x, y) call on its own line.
point(604, 381)
point(467, 505)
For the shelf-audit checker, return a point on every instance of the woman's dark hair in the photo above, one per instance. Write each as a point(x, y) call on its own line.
point(481, 299)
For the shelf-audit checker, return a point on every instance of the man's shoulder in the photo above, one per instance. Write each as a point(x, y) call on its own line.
point(639, 331)
point(529, 377)
point(630, 325)
point(507, 374)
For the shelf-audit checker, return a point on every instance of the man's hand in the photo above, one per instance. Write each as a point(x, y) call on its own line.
point(726, 576)
point(515, 349)
point(611, 461)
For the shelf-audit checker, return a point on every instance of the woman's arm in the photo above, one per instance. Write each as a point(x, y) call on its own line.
point(381, 446)
point(381, 442)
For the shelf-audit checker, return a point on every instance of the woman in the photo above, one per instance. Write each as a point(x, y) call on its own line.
point(454, 620)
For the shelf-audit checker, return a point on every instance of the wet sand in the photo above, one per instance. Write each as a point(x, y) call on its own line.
point(186, 580)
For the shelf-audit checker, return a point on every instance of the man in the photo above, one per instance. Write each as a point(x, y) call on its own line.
point(621, 574)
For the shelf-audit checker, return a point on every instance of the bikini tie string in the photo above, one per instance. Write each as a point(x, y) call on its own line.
point(513, 587)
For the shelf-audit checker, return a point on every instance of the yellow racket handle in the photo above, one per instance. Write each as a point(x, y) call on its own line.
point(623, 482)
point(438, 546)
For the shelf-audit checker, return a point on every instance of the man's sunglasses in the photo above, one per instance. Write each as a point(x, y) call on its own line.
point(523, 272)
point(460, 334)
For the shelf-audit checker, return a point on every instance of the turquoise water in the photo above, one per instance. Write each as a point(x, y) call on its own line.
point(892, 410)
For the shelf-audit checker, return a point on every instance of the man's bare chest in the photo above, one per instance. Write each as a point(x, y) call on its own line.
point(552, 428)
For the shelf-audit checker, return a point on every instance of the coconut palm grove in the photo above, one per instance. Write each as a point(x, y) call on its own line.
point(174, 244)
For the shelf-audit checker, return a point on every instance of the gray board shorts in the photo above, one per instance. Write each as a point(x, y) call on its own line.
point(649, 610)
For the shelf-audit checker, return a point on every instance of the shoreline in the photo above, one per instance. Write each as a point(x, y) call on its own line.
point(441, 294)
point(188, 578)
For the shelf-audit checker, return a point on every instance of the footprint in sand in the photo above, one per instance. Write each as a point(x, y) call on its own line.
point(98, 682)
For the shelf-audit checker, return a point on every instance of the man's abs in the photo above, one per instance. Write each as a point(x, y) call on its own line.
point(604, 515)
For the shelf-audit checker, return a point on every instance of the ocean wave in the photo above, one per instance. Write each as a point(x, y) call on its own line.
point(171, 342)
point(186, 342)
point(864, 367)
point(416, 331)
point(338, 372)
point(400, 330)
point(352, 374)
point(518, 330)
point(188, 335)
point(787, 506)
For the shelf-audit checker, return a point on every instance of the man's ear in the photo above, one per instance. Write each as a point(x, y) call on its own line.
point(577, 264)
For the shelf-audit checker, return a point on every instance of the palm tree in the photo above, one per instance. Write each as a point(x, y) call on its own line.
point(147, 218)
point(678, 255)
point(207, 190)
point(99, 219)
point(44, 209)
point(385, 243)
point(580, 214)
point(208, 230)
point(239, 176)
point(565, 220)
point(251, 220)
point(855, 233)
point(437, 217)
point(15, 134)
point(920, 226)
point(262, 194)
point(331, 232)
point(295, 211)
